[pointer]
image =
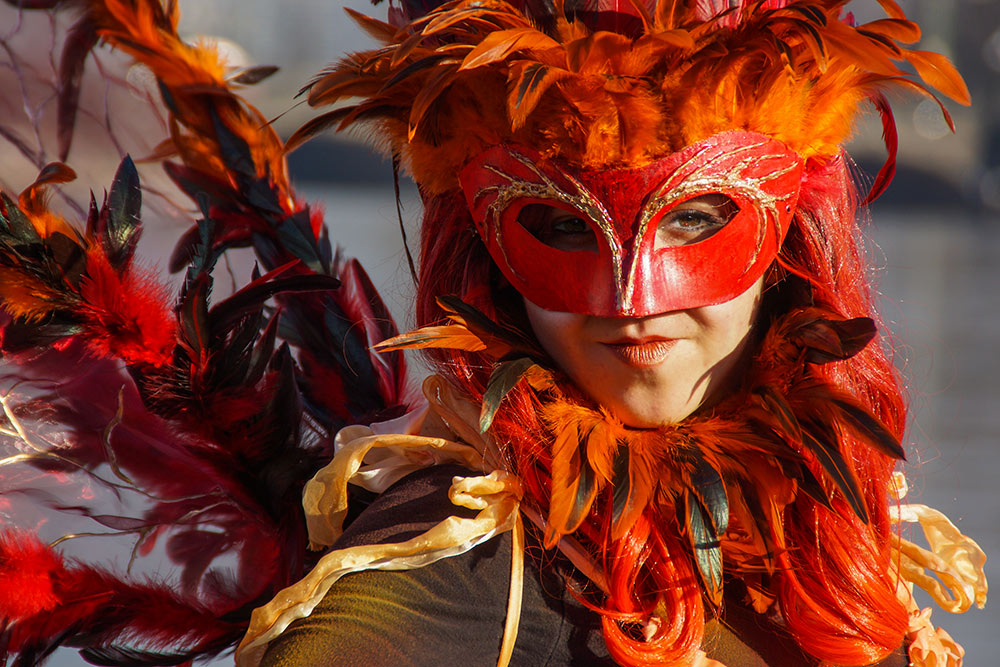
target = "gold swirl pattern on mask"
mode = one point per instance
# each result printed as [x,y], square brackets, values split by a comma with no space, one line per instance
[697,182]
[582,201]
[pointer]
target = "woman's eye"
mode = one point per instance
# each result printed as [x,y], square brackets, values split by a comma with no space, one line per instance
[570,225]
[694,220]
[558,228]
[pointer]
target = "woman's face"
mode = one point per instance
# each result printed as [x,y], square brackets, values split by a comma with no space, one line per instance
[651,370]
[615,266]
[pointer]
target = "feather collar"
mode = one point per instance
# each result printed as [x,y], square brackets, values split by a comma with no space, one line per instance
[724,474]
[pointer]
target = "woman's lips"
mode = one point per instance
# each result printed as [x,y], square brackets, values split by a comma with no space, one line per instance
[642,353]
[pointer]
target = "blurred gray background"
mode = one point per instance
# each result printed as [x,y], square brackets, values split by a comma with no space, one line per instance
[935,238]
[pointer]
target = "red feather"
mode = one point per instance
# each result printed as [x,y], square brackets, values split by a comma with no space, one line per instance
[362,304]
[333,396]
[891,139]
[27,571]
[128,314]
[109,609]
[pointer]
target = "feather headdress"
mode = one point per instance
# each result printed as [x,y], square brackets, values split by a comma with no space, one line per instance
[623,85]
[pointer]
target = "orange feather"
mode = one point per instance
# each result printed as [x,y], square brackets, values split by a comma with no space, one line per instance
[27,297]
[450,336]
[147,31]
[898,30]
[938,72]
[500,45]
[377,30]
[574,486]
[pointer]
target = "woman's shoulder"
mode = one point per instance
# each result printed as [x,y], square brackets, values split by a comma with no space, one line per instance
[452,608]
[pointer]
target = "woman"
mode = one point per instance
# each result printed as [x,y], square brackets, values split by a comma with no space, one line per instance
[646,216]
[658,432]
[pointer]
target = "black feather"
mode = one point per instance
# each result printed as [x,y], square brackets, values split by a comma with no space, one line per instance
[295,235]
[69,257]
[16,223]
[808,483]
[19,336]
[414,67]
[193,315]
[871,430]
[262,351]
[586,485]
[235,151]
[533,75]
[707,517]
[761,520]
[827,450]
[831,340]
[254,75]
[314,126]
[125,656]
[619,499]
[776,406]
[224,314]
[504,377]
[122,229]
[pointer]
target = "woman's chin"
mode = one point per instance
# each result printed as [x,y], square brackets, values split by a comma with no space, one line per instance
[640,412]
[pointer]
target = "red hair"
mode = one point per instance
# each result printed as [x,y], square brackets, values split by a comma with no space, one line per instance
[834,586]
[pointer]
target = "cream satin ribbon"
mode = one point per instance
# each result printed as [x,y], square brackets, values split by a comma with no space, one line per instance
[324,498]
[957,561]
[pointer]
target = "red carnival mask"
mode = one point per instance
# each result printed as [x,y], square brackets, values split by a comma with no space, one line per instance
[626,271]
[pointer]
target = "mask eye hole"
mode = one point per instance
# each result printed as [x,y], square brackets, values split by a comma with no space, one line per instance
[694,220]
[558,228]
